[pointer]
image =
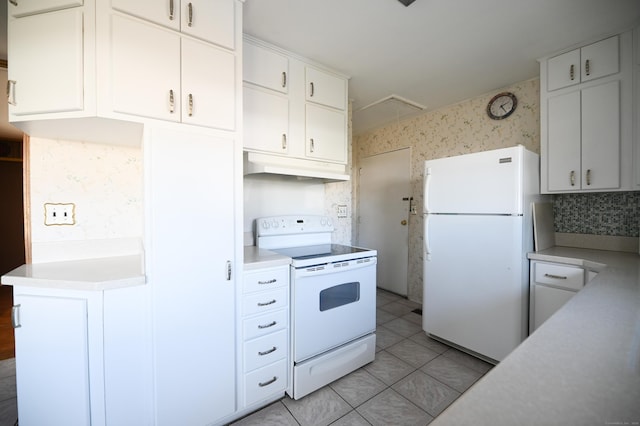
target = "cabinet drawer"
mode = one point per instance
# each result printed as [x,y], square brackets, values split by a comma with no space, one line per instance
[265,350]
[265,301]
[265,382]
[266,279]
[563,276]
[264,324]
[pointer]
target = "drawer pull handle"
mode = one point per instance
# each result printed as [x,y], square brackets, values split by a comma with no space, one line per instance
[267,352]
[572,178]
[271,302]
[15,316]
[271,324]
[268,281]
[312,90]
[268,382]
[557,277]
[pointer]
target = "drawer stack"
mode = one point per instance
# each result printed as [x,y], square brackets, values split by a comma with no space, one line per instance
[265,333]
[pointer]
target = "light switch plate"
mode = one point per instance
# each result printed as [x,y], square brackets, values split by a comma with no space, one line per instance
[59,214]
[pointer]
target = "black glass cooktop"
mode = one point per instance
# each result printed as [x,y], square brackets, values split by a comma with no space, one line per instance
[322,250]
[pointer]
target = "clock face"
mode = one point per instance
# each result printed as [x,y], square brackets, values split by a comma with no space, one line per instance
[502,105]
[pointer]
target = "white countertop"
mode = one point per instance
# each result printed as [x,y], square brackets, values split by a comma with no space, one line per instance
[88,274]
[257,258]
[581,367]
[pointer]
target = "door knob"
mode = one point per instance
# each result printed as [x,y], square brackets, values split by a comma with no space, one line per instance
[403,223]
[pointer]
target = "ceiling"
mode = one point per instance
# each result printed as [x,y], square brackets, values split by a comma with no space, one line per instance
[433,52]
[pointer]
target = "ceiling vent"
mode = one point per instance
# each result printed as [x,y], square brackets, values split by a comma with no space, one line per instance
[386,110]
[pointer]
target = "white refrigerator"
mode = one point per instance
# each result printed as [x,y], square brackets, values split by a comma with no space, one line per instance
[477,232]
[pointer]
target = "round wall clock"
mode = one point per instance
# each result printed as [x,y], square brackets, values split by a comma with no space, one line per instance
[502,105]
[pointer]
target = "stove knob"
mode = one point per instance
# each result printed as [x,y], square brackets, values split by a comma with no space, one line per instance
[323,221]
[275,223]
[328,222]
[265,224]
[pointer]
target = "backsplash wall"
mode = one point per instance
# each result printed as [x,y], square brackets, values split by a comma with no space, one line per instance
[610,213]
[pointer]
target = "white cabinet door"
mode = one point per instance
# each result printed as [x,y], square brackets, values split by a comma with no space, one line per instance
[22,8]
[208,85]
[210,20]
[600,59]
[165,12]
[564,140]
[547,301]
[46,56]
[145,70]
[266,121]
[563,70]
[601,136]
[326,134]
[325,89]
[265,68]
[191,217]
[52,361]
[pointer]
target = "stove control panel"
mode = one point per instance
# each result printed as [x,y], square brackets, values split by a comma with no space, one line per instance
[286,225]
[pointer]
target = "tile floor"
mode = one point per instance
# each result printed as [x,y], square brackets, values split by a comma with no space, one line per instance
[411,381]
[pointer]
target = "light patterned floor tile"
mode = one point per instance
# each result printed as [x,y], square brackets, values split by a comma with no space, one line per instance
[275,414]
[386,337]
[426,392]
[321,407]
[412,353]
[426,341]
[451,373]
[390,409]
[351,419]
[396,308]
[388,368]
[414,318]
[357,387]
[383,316]
[468,360]
[403,327]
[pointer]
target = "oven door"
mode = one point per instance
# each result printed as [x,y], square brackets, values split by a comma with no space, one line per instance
[332,305]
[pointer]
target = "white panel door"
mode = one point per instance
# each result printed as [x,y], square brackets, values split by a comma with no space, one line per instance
[266,121]
[601,136]
[265,68]
[485,182]
[192,216]
[383,215]
[546,301]
[209,20]
[563,70]
[325,89]
[208,85]
[46,56]
[22,8]
[326,134]
[474,291]
[563,142]
[52,343]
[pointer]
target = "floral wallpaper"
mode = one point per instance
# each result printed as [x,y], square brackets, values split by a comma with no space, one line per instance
[453,130]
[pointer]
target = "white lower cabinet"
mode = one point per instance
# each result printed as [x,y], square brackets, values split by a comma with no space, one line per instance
[265,335]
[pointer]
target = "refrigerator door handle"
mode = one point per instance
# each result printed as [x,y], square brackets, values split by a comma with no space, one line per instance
[427,246]
[427,183]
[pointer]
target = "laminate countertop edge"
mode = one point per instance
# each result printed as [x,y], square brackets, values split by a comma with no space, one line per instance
[257,258]
[98,274]
[581,367]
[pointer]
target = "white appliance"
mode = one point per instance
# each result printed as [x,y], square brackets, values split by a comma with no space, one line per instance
[333,299]
[477,232]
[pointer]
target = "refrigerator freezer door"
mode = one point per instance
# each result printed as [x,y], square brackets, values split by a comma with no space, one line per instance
[488,182]
[476,282]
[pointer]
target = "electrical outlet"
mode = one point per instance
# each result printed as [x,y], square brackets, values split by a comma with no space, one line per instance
[59,214]
[342,211]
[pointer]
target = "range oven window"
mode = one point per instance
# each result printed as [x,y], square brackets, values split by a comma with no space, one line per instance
[339,295]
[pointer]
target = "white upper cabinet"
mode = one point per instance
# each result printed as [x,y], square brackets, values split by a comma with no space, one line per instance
[266,120]
[325,89]
[56,46]
[265,68]
[209,20]
[18,8]
[587,63]
[325,130]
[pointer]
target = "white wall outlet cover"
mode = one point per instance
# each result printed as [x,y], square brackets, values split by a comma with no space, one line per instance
[342,211]
[59,214]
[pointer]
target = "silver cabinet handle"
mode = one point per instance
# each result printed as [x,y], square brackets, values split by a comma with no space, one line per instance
[284,141]
[313,145]
[268,351]
[268,382]
[557,277]
[270,302]
[228,270]
[284,79]
[190,105]
[572,178]
[190,7]
[271,281]
[572,72]
[171,15]
[271,324]
[13,2]
[172,102]
[312,89]
[587,67]
[15,316]
[11,92]
[588,176]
